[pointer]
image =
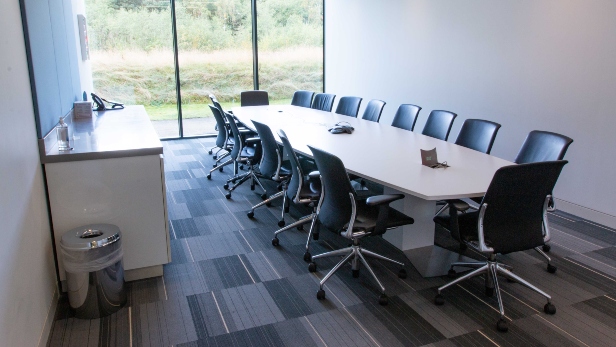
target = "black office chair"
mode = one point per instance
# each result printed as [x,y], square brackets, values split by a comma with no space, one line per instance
[348,106]
[222,139]
[478,134]
[229,144]
[302,98]
[271,166]
[301,189]
[542,146]
[339,210]
[439,124]
[254,98]
[373,110]
[323,102]
[512,218]
[406,117]
[248,152]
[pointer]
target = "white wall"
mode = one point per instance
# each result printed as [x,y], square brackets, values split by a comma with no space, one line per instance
[27,275]
[527,64]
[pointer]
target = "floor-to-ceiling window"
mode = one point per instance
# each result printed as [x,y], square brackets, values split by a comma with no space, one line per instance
[170,55]
[290,37]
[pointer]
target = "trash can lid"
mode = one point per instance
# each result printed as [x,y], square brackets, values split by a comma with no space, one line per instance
[90,236]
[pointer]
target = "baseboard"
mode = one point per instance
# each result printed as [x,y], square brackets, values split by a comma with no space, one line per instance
[44,338]
[586,213]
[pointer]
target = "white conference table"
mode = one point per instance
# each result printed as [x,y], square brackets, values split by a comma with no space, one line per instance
[391,157]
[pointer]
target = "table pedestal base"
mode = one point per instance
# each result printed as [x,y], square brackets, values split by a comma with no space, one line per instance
[417,240]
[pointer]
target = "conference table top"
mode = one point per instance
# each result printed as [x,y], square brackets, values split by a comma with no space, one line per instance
[382,153]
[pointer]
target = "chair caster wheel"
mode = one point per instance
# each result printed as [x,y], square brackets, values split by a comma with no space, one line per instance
[281,223]
[551,268]
[275,242]
[252,187]
[300,227]
[214,157]
[209,176]
[263,196]
[321,294]
[355,273]
[228,196]
[383,300]
[452,273]
[502,325]
[546,248]
[439,300]
[402,273]
[315,236]
[268,204]
[307,257]
[250,214]
[549,308]
[241,167]
[210,152]
[489,292]
[215,166]
[312,267]
[226,186]
[220,169]
[234,180]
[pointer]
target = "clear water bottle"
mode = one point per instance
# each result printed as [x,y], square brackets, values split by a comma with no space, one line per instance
[62,132]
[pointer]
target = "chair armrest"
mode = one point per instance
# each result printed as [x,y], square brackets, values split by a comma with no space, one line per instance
[314,175]
[459,205]
[252,140]
[383,199]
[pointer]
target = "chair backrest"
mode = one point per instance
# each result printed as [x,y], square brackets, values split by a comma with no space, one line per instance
[541,146]
[297,175]
[271,158]
[478,134]
[221,139]
[348,106]
[254,98]
[439,124]
[237,137]
[373,110]
[406,116]
[216,103]
[323,102]
[302,98]
[336,207]
[516,203]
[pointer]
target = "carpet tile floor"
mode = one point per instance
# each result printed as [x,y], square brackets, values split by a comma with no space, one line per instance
[228,286]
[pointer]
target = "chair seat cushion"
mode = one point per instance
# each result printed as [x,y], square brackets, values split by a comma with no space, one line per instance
[367,216]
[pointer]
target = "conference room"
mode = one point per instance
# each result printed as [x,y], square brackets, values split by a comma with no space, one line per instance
[447,182]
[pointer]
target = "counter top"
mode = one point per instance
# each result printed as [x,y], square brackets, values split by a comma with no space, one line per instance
[108,134]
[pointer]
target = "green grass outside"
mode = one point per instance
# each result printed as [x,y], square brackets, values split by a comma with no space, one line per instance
[194,110]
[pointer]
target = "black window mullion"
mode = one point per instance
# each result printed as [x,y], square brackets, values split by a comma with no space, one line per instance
[177,68]
[255,46]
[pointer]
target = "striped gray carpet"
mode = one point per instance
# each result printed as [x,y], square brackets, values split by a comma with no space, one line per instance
[228,286]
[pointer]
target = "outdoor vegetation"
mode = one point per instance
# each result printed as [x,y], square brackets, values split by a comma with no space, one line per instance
[132,57]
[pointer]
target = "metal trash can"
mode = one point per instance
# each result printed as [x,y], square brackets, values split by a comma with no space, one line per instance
[92,257]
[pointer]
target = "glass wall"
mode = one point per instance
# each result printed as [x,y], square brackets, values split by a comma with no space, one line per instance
[214,56]
[131,50]
[290,37]
[132,54]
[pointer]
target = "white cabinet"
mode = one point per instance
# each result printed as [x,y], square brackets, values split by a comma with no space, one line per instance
[128,192]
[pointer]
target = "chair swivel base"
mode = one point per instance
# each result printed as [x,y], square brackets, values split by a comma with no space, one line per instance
[355,254]
[492,269]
